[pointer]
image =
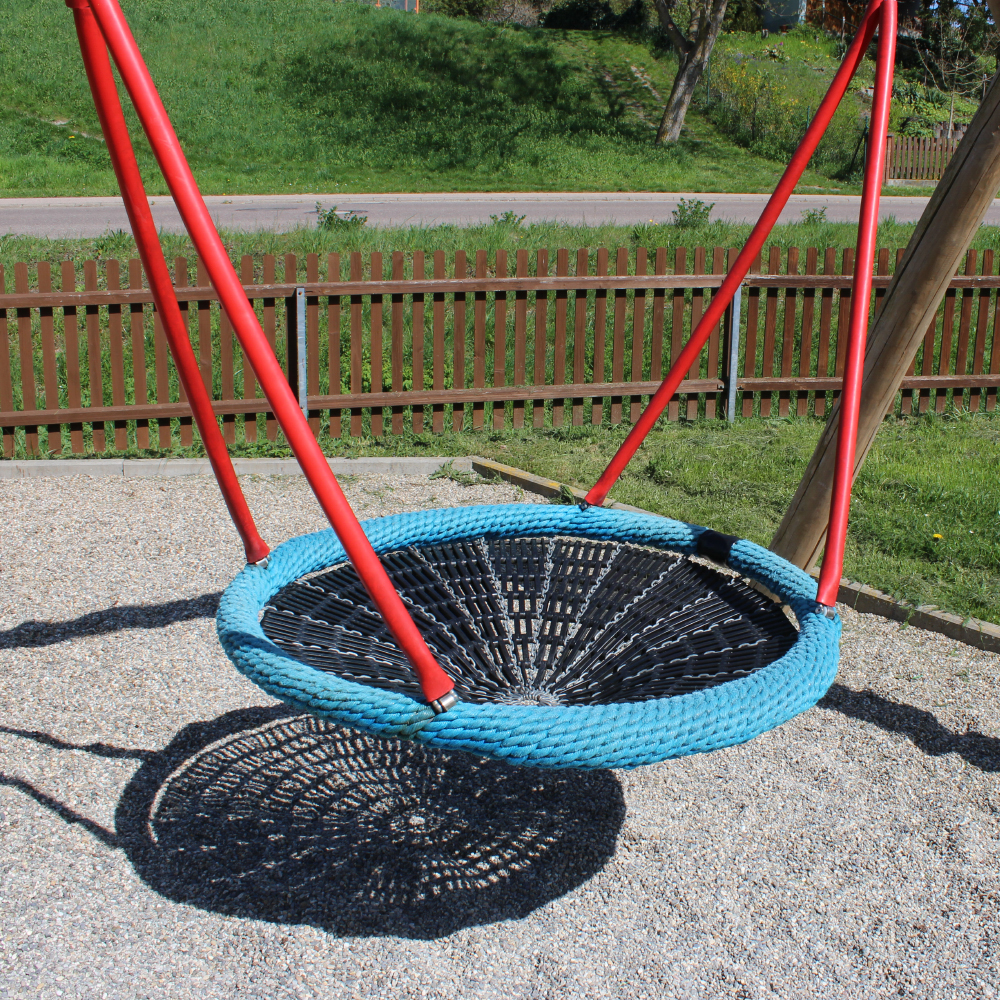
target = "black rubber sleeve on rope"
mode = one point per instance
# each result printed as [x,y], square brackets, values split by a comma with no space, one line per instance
[715,546]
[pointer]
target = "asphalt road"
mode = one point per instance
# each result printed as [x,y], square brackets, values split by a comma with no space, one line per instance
[88,217]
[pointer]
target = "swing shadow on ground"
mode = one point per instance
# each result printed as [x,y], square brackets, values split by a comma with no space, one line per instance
[265,815]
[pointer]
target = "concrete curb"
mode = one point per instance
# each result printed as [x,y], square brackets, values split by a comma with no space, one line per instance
[867,600]
[148,468]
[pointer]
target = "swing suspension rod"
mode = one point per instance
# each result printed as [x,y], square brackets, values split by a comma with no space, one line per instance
[880,14]
[116,36]
[115,131]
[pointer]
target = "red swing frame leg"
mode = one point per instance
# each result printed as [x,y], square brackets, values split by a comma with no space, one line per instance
[850,397]
[720,302]
[112,119]
[435,683]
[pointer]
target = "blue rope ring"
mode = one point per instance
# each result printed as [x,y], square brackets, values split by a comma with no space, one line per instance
[584,736]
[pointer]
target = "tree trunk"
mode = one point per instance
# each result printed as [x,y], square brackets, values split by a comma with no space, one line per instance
[943,234]
[688,77]
[693,51]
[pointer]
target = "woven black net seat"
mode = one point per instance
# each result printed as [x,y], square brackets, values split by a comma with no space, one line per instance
[543,621]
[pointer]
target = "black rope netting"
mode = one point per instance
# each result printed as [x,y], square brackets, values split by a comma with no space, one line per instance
[550,621]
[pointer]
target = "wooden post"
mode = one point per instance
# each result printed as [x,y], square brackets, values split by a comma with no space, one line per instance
[942,236]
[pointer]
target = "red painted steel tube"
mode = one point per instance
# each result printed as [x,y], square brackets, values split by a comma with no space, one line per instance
[854,360]
[109,111]
[433,680]
[765,224]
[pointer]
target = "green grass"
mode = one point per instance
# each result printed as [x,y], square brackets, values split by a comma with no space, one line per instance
[271,97]
[491,237]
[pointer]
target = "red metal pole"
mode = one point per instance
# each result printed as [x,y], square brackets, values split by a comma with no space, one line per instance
[765,224]
[109,111]
[854,362]
[433,680]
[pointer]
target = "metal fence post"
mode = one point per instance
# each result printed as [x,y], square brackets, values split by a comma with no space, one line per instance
[734,354]
[300,340]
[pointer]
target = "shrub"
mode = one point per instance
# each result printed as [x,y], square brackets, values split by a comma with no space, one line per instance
[692,213]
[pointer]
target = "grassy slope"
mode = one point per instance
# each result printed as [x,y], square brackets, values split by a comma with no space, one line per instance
[433,104]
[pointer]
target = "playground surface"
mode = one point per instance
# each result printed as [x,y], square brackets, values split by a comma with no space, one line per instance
[166,830]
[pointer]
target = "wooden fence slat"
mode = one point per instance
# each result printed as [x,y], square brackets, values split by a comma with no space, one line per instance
[71,337]
[204,307]
[843,316]
[944,354]
[357,351]
[95,370]
[805,339]
[541,344]
[50,370]
[137,331]
[964,327]
[437,348]
[559,344]
[6,381]
[479,341]
[906,395]
[500,340]
[618,335]
[377,360]
[334,372]
[418,340]
[458,342]
[991,393]
[227,378]
[678,308]
[825,318]
[697,308]
[750,336]
[638,333]
[270,331]
[580,333]
[26,356]
[659,312]
[520,336]
[712,370]
[982,321]
[770,328]
[116,352]
[249,376]
[788,330]
[396,335]
[727,328]
[600,336]
[312,341]
[181,281]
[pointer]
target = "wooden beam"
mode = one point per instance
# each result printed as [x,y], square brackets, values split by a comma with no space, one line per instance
[943,234]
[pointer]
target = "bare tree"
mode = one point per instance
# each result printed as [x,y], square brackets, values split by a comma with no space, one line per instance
[694,45]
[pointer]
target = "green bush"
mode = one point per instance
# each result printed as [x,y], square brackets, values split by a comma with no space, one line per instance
[752,110]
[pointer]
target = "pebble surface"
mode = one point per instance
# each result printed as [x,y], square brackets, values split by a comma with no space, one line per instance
[167,831]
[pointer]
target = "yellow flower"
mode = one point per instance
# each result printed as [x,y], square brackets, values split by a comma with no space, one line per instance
[937,536]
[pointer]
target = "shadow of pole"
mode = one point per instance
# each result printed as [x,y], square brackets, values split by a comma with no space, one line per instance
[922,727]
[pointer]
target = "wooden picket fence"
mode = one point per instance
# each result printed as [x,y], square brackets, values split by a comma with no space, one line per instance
[424,346]
[917,159]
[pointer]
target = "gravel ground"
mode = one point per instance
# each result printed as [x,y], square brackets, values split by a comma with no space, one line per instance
[167,831]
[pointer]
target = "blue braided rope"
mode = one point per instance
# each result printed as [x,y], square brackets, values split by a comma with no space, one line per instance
[591,736]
